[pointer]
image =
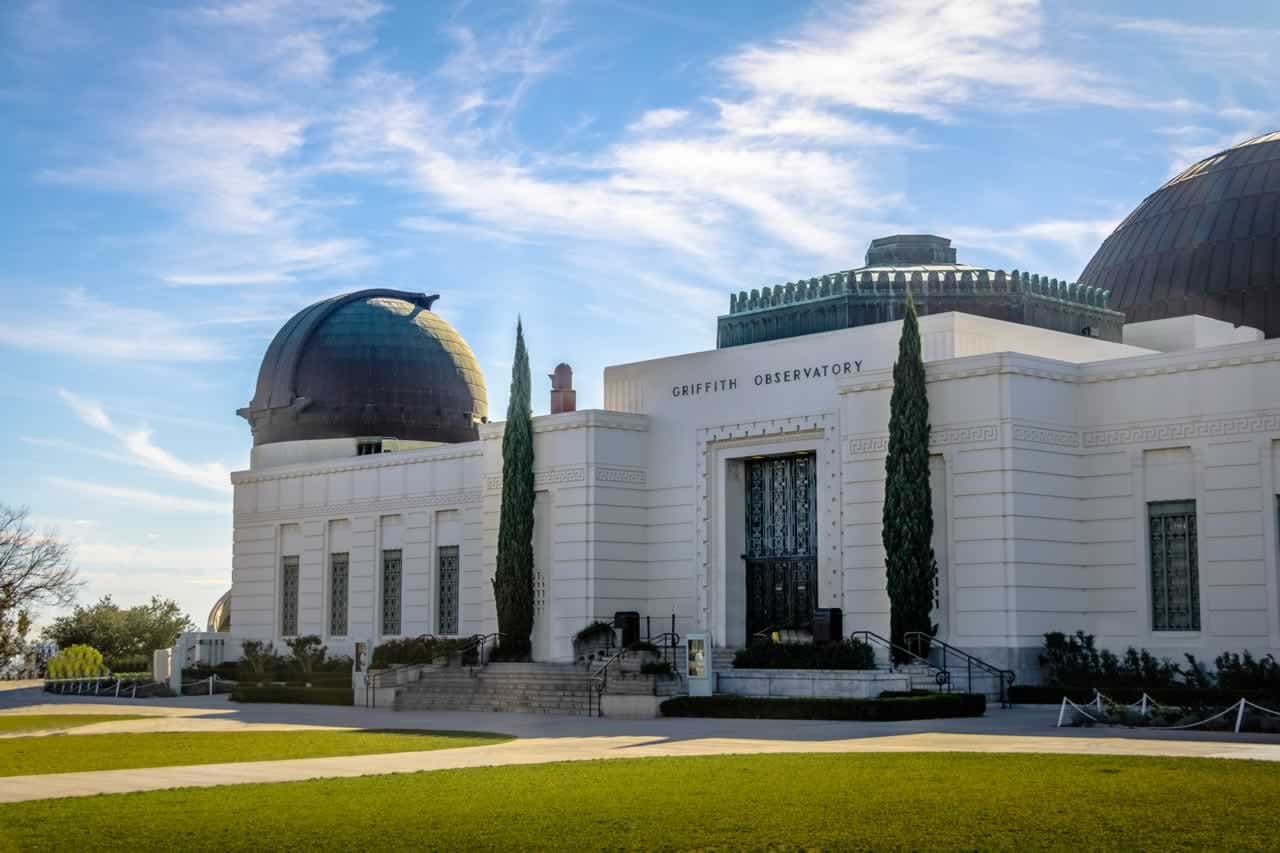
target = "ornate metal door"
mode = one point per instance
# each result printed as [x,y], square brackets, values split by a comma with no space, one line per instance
[782,542]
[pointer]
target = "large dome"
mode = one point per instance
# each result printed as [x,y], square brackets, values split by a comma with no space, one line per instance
[370,363]
[1207,242]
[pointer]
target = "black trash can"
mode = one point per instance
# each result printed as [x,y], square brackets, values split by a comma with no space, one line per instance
[828,625]
[628,621]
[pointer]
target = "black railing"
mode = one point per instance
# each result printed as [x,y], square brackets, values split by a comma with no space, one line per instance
[666,642]
[391,676]
[919,641]
[940,675]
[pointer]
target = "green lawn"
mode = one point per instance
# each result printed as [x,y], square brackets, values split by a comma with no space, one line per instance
[920,801]
[11,723]
[30,755]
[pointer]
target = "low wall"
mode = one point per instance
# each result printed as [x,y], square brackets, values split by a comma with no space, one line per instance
[810,683]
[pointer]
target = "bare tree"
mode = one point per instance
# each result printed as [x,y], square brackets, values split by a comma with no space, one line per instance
[35,570]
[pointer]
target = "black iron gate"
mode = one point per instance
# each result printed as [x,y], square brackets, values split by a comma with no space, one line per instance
[782,542]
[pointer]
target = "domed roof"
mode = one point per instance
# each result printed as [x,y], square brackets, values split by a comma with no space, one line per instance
[1207,242]
[370,363]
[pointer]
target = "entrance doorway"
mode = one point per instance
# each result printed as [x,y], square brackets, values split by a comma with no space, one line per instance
[782,541]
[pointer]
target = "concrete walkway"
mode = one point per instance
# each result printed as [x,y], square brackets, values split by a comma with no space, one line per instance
[546,738]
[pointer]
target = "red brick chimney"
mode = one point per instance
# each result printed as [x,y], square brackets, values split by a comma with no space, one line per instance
[563,397]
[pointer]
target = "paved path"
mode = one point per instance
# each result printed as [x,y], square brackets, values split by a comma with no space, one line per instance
[547,738]
[544,750]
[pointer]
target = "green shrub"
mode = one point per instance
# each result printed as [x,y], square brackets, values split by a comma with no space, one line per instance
[1244,672]
[644,646]
[594,632]
[259,657]
[296,679]
[1074,659]
[128,663]
[655,667]
[1046,694]
[932,706]
[410,650]
[295,695]
[79,661]
[308,652]
[847,654]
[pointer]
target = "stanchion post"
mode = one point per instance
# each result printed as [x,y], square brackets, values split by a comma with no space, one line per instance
[1062,712]
[1240,716]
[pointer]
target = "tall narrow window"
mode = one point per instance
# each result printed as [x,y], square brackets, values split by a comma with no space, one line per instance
[447,607]
[391,575]
[1175,573]
[288,596]
[338,570]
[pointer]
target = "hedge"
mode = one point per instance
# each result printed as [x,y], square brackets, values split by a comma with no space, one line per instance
[893,709]
[848,654]
[1042,694]
[295,695]
[294,679]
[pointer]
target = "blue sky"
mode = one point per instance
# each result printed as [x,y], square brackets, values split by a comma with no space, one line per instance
[177,179]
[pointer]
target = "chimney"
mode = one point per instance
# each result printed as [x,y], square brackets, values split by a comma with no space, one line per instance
[563,397]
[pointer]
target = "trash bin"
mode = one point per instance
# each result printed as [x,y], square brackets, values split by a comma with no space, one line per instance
[628,621]
[828,625]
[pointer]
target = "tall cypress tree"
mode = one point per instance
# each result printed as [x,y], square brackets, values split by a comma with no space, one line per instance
[513,579]
[908,508]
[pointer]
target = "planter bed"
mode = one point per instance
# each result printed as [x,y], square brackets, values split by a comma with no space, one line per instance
[295,695]
[1040,694]
[893,709]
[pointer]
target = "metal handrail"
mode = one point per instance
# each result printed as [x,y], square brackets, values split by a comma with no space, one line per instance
[598,682]
[1006,677]
[941,675]
[480,641]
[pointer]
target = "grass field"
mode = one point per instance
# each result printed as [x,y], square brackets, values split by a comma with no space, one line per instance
[920,801]
[31,755]
[14,723]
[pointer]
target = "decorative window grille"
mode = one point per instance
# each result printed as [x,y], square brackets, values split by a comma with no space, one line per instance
[447,589]
[1175,573]
[391,575]
[339,565]
[288,596]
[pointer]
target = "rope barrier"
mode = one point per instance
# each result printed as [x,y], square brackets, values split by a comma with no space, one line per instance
[1146,702]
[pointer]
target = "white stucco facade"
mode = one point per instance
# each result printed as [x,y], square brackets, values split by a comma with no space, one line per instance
[1047,449]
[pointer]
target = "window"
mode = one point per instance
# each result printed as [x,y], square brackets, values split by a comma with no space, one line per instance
[391,592]
[366,448]
[447,589]
[1175,574]
[288,596]
[338,570]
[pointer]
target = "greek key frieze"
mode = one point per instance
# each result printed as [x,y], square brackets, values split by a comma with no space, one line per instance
[1185,430]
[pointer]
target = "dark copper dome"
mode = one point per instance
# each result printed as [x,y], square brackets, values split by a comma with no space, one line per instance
[370,363]
[1207,242]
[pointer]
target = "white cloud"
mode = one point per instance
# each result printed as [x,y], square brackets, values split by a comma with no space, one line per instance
[140,451]
[88,327]
[140,497]
[201,280]
[919,57]
[1077,239]
[658,120]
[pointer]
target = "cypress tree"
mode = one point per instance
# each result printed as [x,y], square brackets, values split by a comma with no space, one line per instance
[908,509]
[513,579]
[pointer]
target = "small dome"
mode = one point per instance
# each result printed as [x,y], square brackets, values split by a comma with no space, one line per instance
[370,363]
[1207,242]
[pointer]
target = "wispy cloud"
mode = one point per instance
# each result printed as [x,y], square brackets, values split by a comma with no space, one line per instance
[83,325]
[658,120]
[155,501]
[141,451]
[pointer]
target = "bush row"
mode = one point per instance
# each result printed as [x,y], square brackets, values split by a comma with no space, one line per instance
[848,654]
[423,649]
[295,679]
[1073,659]
[897,708]
[295,695]
[1043,694]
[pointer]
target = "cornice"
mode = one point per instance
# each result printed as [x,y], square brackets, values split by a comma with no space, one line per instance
[864,445]
[360,463]
[586,419]
[458,498]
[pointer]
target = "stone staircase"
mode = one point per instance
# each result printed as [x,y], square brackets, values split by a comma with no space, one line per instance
[924,678]
[538,688]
